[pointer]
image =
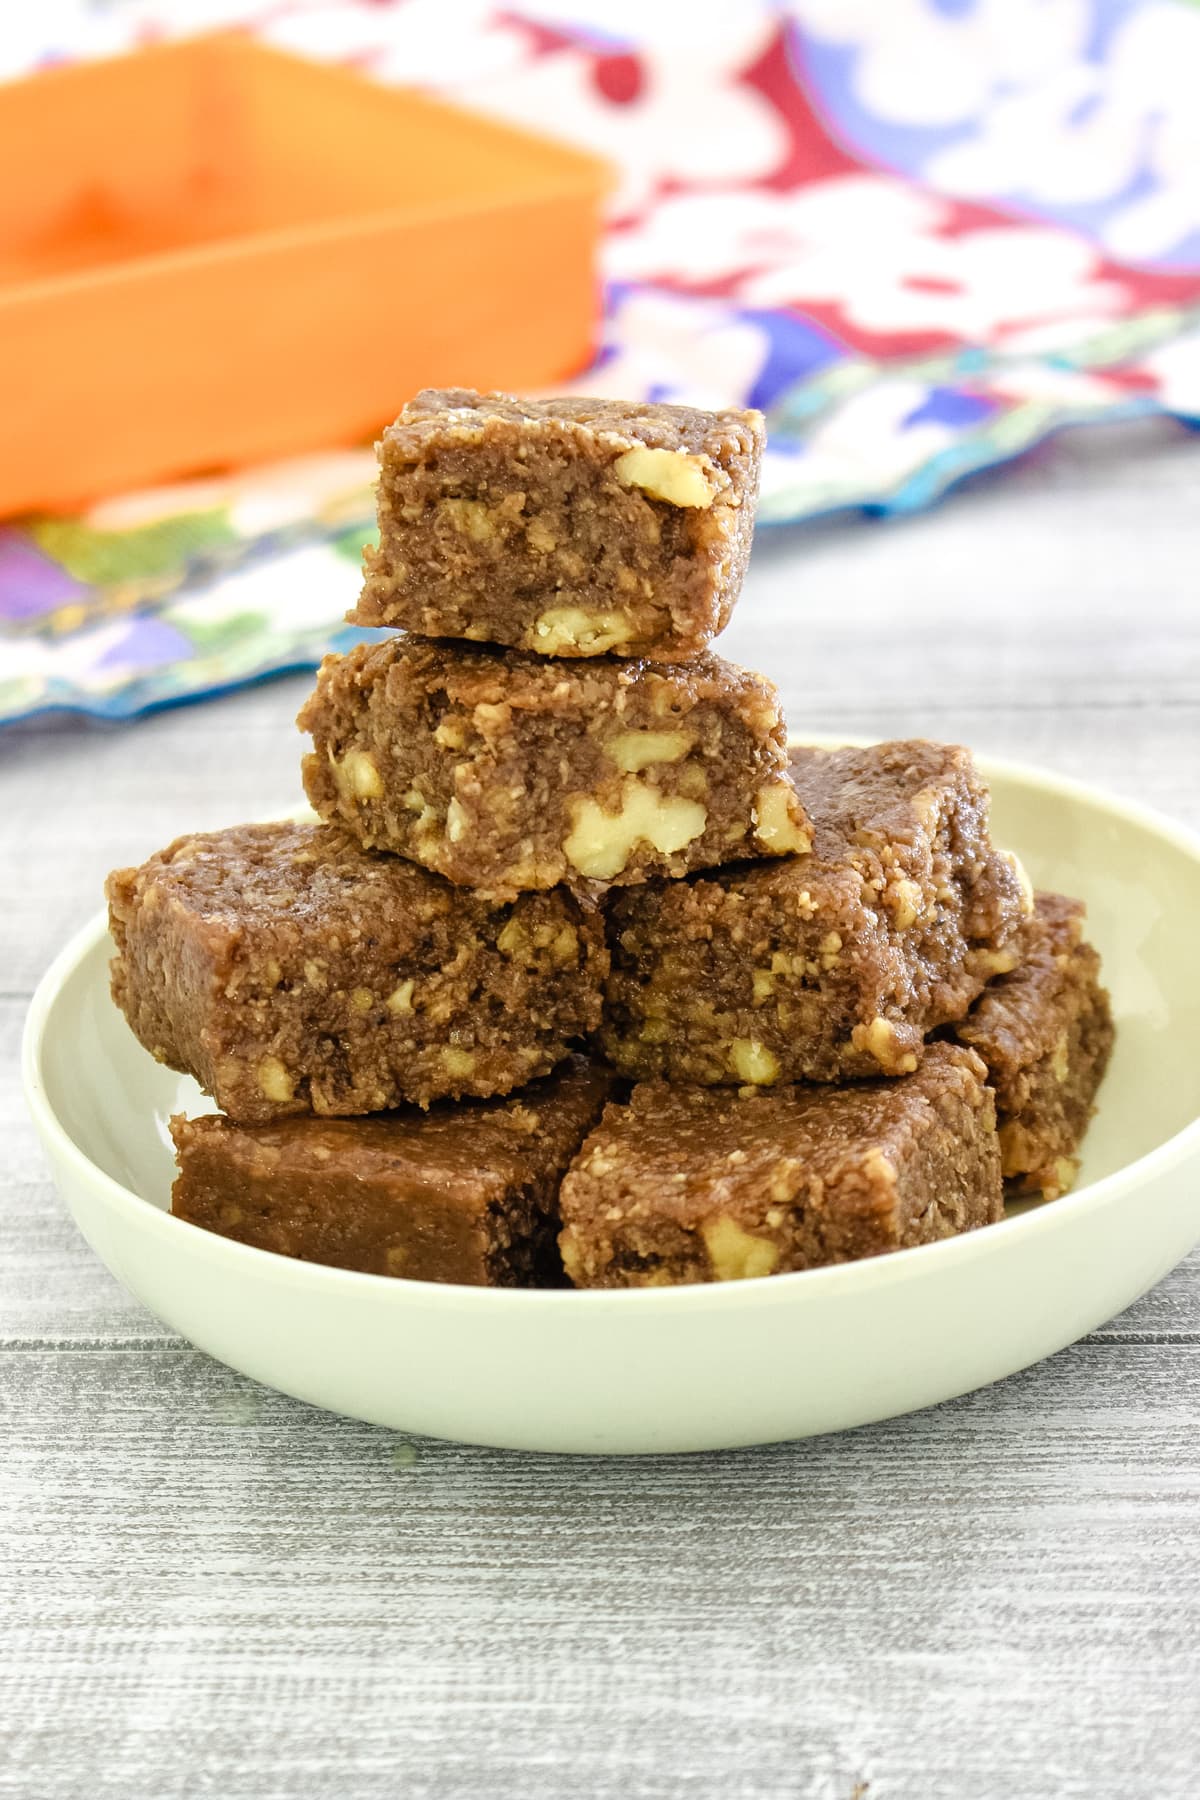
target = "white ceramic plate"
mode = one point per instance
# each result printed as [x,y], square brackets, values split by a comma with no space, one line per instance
[697,1368]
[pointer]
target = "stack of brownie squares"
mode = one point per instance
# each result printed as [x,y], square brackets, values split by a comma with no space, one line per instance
[583,976]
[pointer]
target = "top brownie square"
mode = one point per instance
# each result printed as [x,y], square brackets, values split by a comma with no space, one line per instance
[569,527]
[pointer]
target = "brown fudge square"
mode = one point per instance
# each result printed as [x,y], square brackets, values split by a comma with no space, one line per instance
[507,772]
[1045,1031]
[569,527]
[830,965]
[699,1184]
[465,1192]
[289,971]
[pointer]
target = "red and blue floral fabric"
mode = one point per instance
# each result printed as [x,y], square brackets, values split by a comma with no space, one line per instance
[920,234]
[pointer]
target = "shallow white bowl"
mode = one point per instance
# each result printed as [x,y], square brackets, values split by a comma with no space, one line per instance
[697,1368]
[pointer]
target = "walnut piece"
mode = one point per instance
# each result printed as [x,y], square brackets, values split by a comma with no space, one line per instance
[600,843]
[400,1000]
[470,516]
[567,628]
[275,1080]
[752,1062]
[735,1254]
[357,776]
[636,750]
[670,475]
[777,815]
[906,901]
[878,1039]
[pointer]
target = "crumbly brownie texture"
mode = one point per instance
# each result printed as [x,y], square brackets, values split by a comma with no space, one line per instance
[1045,1032]
[569,527]
[465,1193]
[290,972]
[698,1184]
[505,772]
[831,965]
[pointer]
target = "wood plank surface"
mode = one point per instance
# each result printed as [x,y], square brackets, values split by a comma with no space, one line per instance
[209,1589]
[223,1593]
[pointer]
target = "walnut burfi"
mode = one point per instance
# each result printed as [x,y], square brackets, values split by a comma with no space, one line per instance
[830,965]
[289,972]
[465,1193]
[506,772]
[1045,1032]
[569,527]
[700,1184]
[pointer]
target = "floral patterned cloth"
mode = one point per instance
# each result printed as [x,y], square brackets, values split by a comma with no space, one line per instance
[920,234]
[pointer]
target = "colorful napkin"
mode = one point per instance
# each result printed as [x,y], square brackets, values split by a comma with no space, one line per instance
[921,235]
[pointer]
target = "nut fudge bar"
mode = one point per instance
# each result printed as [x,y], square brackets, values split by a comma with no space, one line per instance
[1045,1032]
[699,1184]
[570,527]
[831,965]
[465,1193]
[289,971]
[505,772]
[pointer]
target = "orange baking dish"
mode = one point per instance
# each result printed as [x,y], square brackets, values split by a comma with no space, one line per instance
[212,253]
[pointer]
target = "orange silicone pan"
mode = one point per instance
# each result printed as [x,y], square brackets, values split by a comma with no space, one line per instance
[213,253]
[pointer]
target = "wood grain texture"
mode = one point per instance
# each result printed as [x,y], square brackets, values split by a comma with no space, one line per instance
[219,1592]
[210,1590]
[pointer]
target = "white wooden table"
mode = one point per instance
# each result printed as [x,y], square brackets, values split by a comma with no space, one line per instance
[207,1589]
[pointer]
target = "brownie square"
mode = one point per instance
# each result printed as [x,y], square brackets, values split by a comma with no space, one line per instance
[1045,1031]
[507,772]
[569,527]
[289,971]
[690,1184]
[465,1192]
[830,965]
